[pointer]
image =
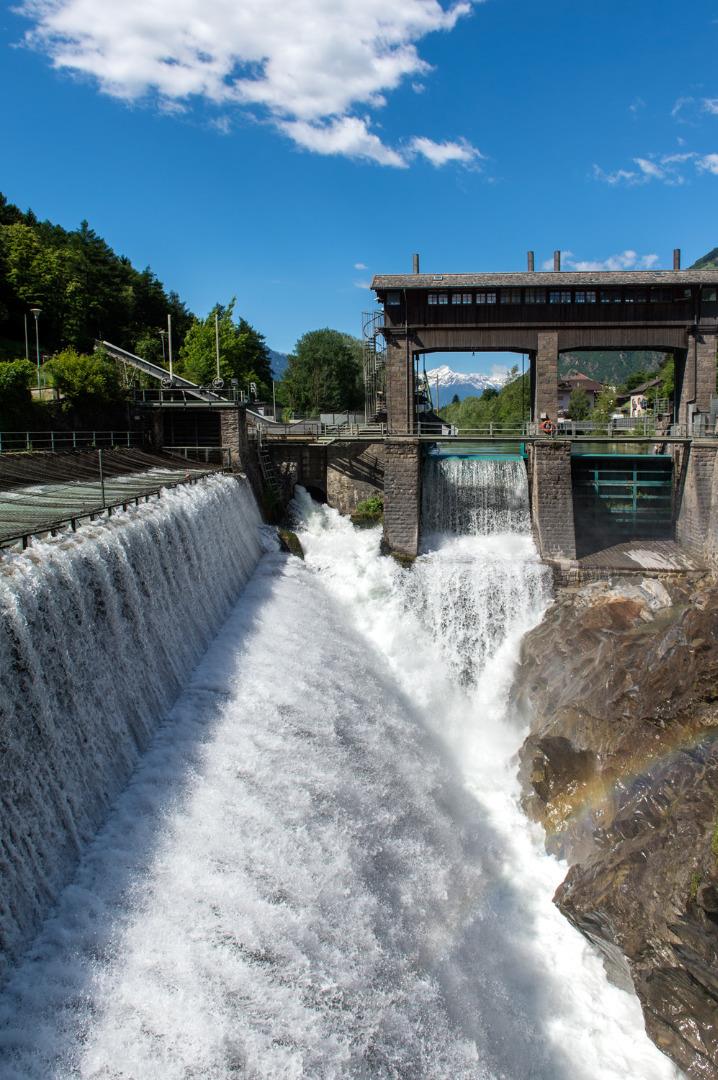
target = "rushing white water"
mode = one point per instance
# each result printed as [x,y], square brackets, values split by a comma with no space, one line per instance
[98,633]
[320,868]
[474,495]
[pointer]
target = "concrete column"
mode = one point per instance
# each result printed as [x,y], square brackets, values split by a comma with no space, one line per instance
[552,499]
[399,387]
[546,375]
[699,375]
[697,519]
[402,496]
[233,434]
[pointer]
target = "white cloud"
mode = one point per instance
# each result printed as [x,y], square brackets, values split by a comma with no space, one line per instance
[305,64]
[708,163]
[710,105]
[362,284]
[636,106]
[441,153]
[624,260]
[668,169]
[347,135]
[360,266]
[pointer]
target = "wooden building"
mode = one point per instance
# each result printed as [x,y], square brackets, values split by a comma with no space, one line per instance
[542,314]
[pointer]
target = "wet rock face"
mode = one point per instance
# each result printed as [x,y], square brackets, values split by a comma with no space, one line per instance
[621,768]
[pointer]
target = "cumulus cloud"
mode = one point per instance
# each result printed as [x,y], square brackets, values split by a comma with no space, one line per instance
[624,260]
[710,105]
[360,266]
[441,153]
[305,64]
[708,163]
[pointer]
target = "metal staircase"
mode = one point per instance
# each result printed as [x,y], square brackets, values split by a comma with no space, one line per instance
[374,363]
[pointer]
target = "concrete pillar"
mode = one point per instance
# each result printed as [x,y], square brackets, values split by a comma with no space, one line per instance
[546,376]
[698,384]
[399,388]
[233,435]
[402,496]
[697,518]
[552,499]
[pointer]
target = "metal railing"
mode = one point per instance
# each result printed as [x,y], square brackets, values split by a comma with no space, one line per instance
[215,455]
[178,395]
[68,440]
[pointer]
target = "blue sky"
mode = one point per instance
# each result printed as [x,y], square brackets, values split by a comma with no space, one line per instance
[285,154]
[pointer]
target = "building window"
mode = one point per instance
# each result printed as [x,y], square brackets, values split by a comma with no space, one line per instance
[710,295]
[511,296]
[660,295]
[486,298]
[443,298]
[683,296]
[559,297]
[393,298]
[610,296]
[585,296]
[432,298]
[467,298]
[535,296]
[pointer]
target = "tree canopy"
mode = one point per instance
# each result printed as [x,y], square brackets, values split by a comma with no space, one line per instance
[243,352]
[324,373]
[84,289]
[507,407]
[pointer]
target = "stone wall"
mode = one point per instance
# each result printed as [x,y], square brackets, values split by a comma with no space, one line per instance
[699,374]
[552,499]
[546,375]
[297,463]
[402,495]
[355,471]
[399,387]
[697,520]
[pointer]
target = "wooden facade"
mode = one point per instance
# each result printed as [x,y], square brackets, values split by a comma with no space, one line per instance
[544,314]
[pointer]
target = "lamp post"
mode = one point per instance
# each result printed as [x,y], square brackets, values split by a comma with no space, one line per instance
[163,335]
[36,311]
[169,342]
[216,341]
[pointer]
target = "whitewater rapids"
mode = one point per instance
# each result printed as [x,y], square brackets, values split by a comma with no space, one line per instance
[319,868]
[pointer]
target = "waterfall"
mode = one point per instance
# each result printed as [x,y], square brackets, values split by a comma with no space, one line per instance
[320,868]
[98,634]
[474,495]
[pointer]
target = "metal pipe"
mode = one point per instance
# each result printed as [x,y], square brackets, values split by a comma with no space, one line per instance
[530,262]
[415,263]
[676,258]
[557,261]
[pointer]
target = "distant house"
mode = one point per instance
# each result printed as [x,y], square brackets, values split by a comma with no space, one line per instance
[576,380]
[636,402]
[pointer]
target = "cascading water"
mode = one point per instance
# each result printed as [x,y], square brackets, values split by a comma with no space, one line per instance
[475,495]
[320,868]
[98,633]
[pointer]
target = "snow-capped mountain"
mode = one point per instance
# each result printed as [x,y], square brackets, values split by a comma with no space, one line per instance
[463,383]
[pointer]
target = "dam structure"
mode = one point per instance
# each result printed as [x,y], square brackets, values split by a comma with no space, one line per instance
[260,814]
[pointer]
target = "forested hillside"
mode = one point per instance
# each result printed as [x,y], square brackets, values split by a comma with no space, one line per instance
[85,290]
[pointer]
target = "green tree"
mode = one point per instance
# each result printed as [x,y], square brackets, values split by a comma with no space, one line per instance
[605,406]
[324,373]
[87,383]
[507,407]
[243,351]
[579,405]
[15,397]
[455,399]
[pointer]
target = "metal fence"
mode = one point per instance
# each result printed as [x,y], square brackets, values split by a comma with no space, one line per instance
[210,455]
[69,440]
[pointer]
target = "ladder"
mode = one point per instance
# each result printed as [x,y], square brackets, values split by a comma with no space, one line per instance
[267,467]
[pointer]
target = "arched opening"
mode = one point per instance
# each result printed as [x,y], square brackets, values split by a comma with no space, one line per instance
[473,390]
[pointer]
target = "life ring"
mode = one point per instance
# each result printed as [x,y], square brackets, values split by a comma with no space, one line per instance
[548,428]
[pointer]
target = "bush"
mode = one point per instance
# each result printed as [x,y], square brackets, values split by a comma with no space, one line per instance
[86,382]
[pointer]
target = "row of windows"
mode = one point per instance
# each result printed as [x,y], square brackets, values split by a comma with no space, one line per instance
[655,294]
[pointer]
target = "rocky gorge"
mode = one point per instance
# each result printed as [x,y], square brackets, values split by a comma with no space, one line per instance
[620,682]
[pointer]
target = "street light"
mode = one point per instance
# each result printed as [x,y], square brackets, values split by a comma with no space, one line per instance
[216,339]
[36,311]
[163,335]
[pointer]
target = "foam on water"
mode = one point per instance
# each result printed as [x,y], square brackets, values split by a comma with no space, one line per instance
[320,868]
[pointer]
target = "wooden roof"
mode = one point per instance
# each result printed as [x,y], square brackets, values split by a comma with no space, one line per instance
[545,278]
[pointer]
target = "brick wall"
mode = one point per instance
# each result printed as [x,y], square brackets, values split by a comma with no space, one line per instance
[552,499]
[355,471]
[697,521]
[402,495]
